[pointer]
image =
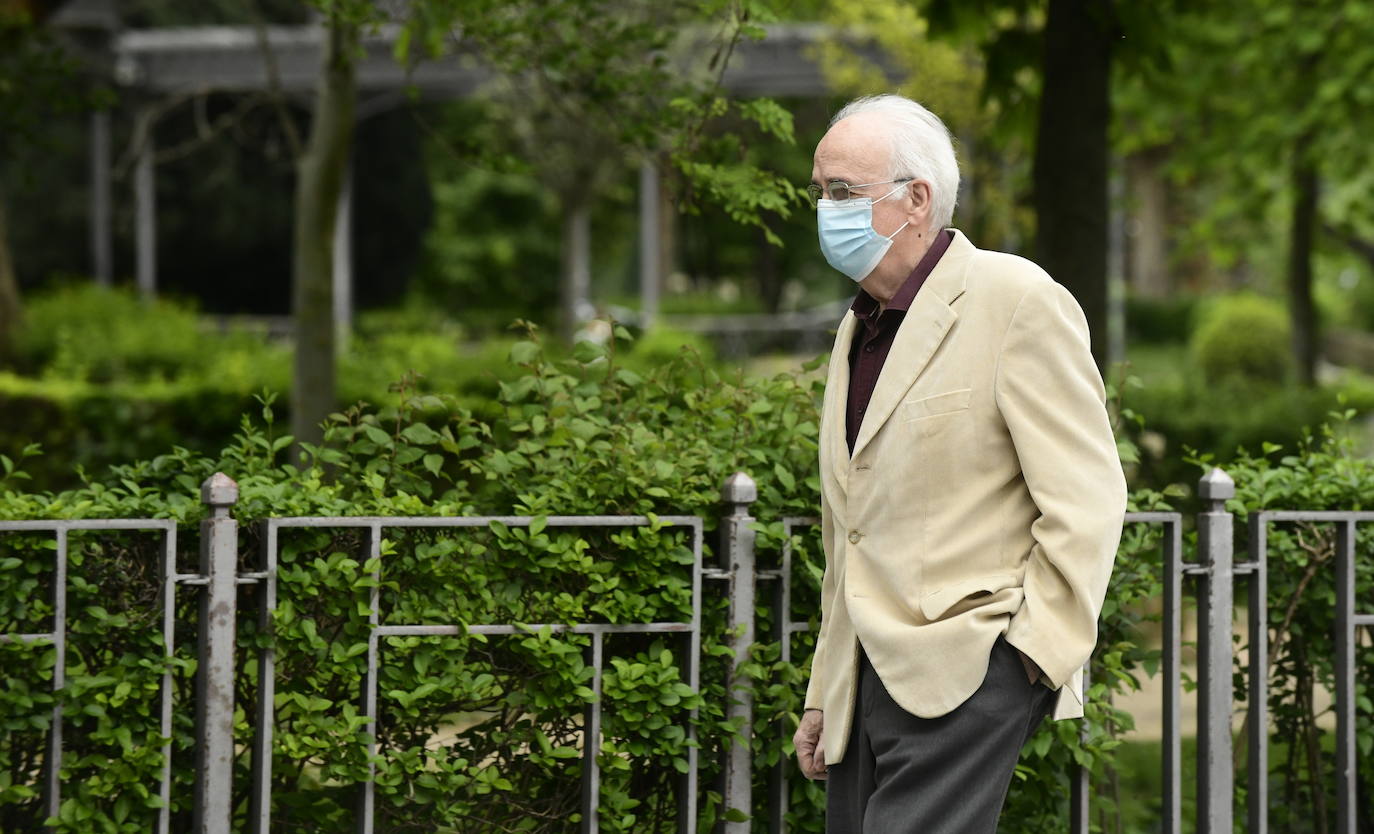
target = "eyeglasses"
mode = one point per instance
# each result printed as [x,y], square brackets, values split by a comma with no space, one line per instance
[839,190]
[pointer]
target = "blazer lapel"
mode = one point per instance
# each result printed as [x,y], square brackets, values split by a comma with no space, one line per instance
[836,396]
[921,332]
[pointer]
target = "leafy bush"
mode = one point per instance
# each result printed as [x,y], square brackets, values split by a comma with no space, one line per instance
[475,732]
[1243,337]
[586,436]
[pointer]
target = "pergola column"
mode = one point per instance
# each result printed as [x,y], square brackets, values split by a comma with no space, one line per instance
[101,259]
[145,208]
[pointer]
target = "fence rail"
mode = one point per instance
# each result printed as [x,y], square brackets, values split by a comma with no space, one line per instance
[219,576]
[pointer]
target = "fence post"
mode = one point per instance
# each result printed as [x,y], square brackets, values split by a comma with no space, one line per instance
[1214,796]
[215,670]
[737,558]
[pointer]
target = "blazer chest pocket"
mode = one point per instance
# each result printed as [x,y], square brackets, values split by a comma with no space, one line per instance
[936,404]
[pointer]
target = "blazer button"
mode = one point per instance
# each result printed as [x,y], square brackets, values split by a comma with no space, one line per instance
[854,536]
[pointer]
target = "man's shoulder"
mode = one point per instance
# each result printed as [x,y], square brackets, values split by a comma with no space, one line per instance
[1000,279]
[1005,271]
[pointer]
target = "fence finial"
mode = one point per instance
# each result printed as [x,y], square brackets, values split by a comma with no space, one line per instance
[739,488]
[219,492]
[1216,486]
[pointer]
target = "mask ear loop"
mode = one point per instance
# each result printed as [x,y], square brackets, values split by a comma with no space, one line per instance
[893,191]
[884,197]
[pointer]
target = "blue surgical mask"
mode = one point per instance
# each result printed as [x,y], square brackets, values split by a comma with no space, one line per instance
[848,239]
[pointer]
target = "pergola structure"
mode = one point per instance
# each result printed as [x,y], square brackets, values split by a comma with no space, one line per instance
[243,59]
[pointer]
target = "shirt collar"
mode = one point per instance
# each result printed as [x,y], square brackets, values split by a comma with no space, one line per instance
[865,306]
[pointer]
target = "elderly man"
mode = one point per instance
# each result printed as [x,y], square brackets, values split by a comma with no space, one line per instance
[971,494]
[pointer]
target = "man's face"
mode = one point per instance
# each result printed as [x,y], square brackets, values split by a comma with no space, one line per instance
[856,151]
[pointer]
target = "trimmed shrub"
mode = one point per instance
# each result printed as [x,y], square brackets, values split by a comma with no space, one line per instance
[1243,337]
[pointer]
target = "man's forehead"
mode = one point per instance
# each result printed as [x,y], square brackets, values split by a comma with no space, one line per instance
[853,147]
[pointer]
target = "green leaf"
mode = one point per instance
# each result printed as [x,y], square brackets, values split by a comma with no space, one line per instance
[586,352]
[785,478]
[523,353]
[420,434]
[377,436]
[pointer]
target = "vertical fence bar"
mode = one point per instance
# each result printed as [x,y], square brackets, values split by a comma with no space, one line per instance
[1257,742]
[687,785]
[215,673]
[1173,640]
[782,632]
[737,555]
[169,621]
[59,673]
[260,792]
[1079,787]
[367,799]
[591,745]
[1214,764]
[1345,677]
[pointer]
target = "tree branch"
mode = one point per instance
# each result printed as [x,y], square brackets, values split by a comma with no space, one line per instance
[1363,247]
[288,124]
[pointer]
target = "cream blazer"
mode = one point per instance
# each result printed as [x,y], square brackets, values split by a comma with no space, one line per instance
[984,495]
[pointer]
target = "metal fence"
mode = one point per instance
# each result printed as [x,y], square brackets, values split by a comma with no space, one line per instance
[220,575]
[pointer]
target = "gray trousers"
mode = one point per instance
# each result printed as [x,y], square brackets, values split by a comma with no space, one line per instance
[947,775]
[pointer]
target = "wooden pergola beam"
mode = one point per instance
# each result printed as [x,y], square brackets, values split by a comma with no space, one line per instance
[229,58]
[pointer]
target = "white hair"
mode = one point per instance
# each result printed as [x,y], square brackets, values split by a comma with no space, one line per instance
[921,148]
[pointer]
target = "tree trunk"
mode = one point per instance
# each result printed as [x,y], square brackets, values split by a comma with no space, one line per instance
[11,307]
[319,176]
[1300,240]
[767,271]
[1070,169]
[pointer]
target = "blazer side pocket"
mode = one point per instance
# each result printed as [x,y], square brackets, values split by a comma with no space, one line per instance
[937,603]
[936,404]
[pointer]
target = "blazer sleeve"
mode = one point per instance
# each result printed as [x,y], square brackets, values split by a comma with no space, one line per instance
[1053,402]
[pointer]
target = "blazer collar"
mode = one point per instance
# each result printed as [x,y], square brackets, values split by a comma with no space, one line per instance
[922,330]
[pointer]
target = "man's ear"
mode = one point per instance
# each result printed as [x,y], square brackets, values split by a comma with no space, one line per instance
[918,191]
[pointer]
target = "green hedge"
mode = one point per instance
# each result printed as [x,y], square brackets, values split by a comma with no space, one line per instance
[480,734]
[105,377]
[1179,410]
[1164,320]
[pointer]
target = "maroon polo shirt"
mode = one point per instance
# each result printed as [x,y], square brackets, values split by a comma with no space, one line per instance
[875,333]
